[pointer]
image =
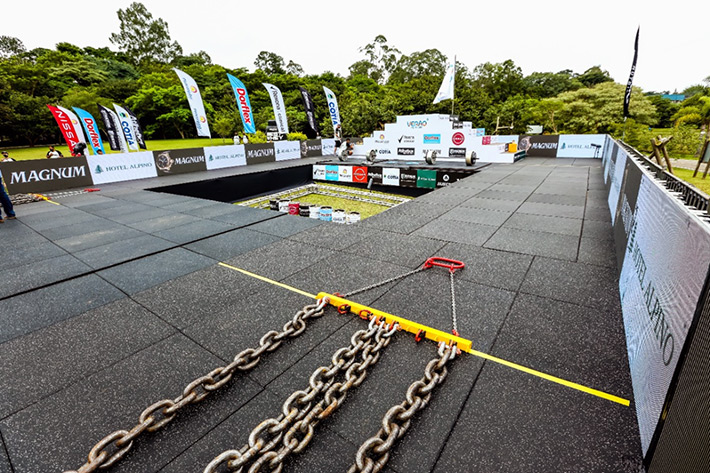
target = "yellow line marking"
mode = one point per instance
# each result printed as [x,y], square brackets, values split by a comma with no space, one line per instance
[465,347]
[270,281]
[549,377]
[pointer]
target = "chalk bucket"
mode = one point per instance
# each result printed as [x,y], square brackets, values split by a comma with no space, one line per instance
[305,210]
[294,208]
[338,216]
[314,211]
[353,217]
[274,204]
[326,214]
[283,205]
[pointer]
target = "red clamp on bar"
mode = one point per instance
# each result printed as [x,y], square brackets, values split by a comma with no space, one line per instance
[455,333]
[419,336]
[92,189]
[451,264]
[365,314]
[344,309]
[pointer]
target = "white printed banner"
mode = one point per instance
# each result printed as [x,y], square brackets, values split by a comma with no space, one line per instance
[333,109]
[277,102]
[219,157]
[286,150]
[126,124]
[121,167]
[194,99]
[390,176]
[580,146]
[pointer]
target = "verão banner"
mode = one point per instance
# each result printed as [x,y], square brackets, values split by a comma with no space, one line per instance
[245,111]
[92,130]
[194,99]
[277,102]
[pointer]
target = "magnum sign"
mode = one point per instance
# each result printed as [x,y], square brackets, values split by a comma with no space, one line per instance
[260,153]
[40,175]
[543,146]
[178,161]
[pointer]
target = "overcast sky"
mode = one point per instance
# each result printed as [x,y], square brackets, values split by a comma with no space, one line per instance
[541,36]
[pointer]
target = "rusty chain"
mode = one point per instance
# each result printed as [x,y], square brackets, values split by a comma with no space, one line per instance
[294,428]
[373,454]
[114,446]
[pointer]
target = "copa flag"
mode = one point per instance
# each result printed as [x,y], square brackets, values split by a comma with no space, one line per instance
[92,130]
[332,107]
[240,93]
[277,102]
[126,124]
[68,124]
[137,127]
[446,90]
[194,99]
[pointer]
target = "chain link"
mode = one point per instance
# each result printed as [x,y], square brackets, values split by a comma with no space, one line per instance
[374,453]
[115,445]
[453,305]
[386,281]
[304,409]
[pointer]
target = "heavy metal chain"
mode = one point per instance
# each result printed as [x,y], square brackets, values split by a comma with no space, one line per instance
[373,454]
[115,445]
[455,330]
[273,440]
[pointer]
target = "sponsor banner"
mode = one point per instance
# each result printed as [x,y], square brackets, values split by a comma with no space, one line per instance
[194,100]
[332,172]
[580,146]
[543,146]
[446,90]
[666,262]
[426,178]
[457,152]
[277,102]
[318,172]
[116,140]
[240,93]
[446,178]
[311,121]
[458,138]
[178,161]
[390,176]
[432,139]
[405,151]
[381,139]
[374,174]
[328,146]
[618,162]
[495,148]
[260,153]
[360,174]
[345,174]
[67,127]
[219,157]
[121,167]
[408,178]
[286,150]
[626,209]
[92,130]
[479,132]
[126,125]
[40,175]
[311,148]
[137,127]
[406,140]
[627,93]
[333,109]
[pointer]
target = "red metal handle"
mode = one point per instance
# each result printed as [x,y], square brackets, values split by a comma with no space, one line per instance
[451,264]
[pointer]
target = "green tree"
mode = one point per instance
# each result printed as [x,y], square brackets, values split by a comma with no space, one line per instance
[431,62]
[665,110]
[10,46]
[551,84]
[142,38]
[593,76]
[382,58]
[270,63]
[694,111]
[500,80]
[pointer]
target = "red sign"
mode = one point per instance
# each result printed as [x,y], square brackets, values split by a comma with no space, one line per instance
[66,125]
[486,140]
[359,174]
[458,138]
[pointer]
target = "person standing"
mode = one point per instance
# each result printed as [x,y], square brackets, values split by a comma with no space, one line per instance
[338,135]
[236,138]
[6,157]
[245,139]
[6,204]
[53,153]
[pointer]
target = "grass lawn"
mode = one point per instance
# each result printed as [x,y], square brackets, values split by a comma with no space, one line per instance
[40,152]
[699,182]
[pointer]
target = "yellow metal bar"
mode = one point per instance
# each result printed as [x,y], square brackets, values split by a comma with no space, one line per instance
[549,377]
[408,325]
[270,281]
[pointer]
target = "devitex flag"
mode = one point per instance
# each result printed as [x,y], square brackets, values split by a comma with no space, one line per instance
[240,93]
[446,90]
[116,140]
[70,131]
[92,130]
[126,124]
[312,129]
[627,95]
[277,101]
[194,99]
[332,107]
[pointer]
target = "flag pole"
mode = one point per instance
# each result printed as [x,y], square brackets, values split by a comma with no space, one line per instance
[452,88]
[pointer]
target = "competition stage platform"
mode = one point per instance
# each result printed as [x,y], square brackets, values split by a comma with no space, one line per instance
[115,300]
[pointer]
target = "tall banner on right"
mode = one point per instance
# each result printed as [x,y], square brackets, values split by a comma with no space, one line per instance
[194,99]
[312,129]
[627,95]
[332,107]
